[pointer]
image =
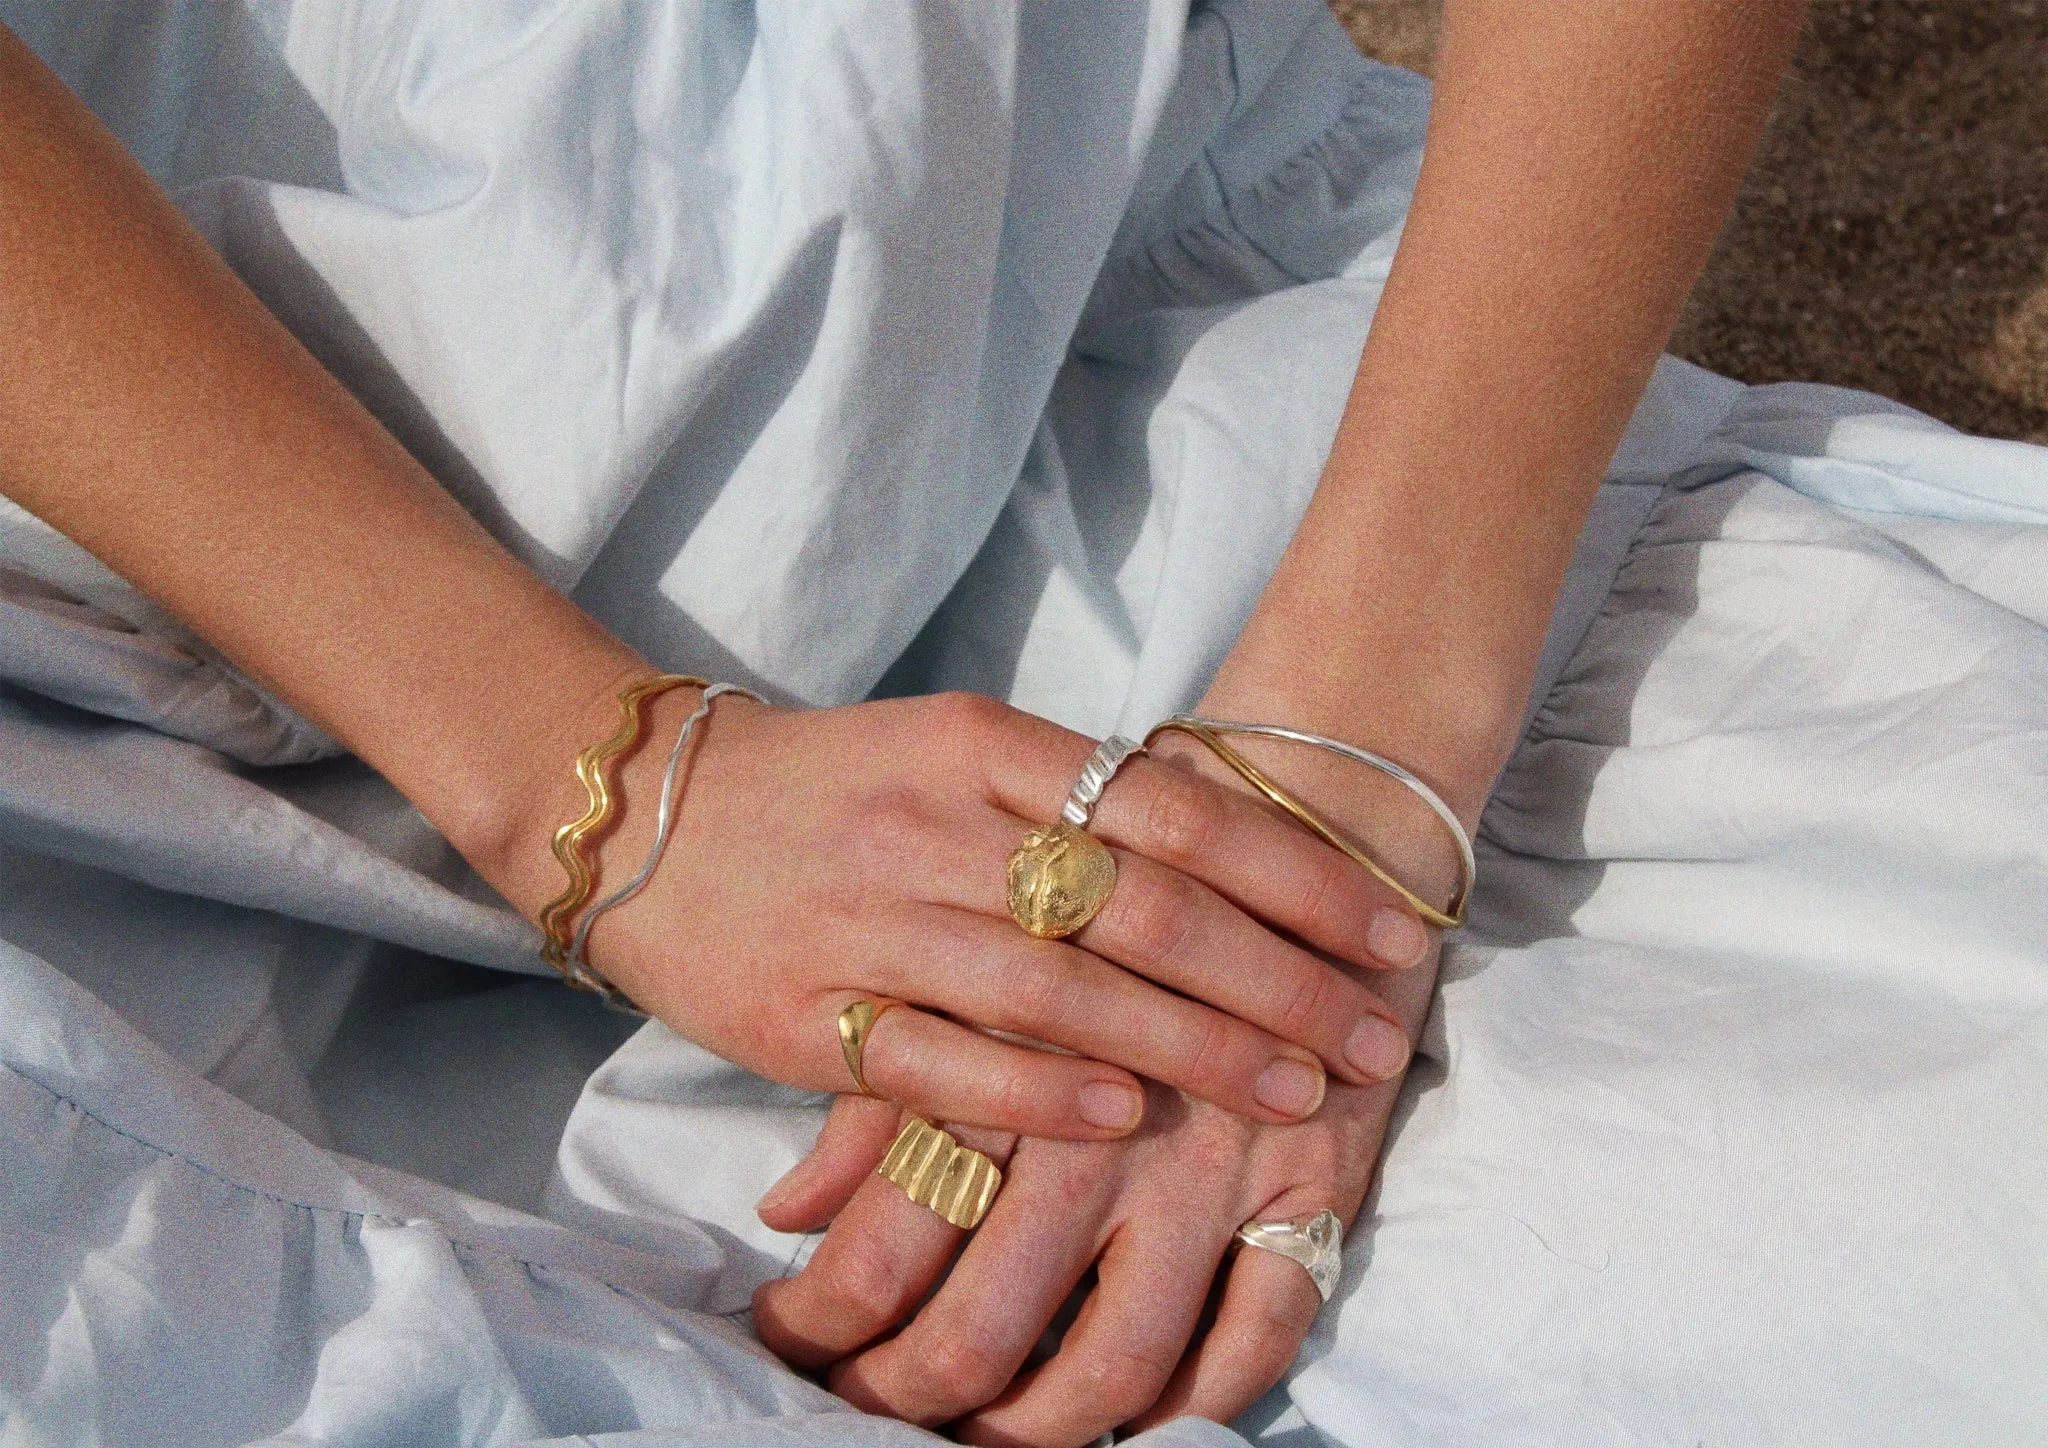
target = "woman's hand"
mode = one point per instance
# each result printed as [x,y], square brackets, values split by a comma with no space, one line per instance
[827,855]
[1153,1215]
[1509,347]
[175,429]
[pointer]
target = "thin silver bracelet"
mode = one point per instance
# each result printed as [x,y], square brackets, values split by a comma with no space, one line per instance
[578,967]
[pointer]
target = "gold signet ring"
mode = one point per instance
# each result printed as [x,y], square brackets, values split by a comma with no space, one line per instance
[956,1181]
[1058,878]
[854,1024]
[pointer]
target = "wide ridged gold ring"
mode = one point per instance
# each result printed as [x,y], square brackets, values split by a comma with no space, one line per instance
[855,1022]
[935,1171]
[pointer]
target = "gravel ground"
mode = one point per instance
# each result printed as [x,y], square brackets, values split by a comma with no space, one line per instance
[1894,232]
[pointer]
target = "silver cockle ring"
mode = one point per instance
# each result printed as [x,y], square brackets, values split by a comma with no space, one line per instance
[1101,768]
[1316,1242]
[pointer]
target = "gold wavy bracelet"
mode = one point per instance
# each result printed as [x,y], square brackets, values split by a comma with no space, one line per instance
[569,840]
[1310,820]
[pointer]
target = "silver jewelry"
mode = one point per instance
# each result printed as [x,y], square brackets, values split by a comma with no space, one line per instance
[578,967]
[1363,756]
[1315,1241]
[1101,768]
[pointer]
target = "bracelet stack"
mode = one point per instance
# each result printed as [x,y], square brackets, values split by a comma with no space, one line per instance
[1061,876]
[564,944]
[1210,731]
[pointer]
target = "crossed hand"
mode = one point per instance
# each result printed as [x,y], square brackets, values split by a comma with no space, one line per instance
[1231,1025]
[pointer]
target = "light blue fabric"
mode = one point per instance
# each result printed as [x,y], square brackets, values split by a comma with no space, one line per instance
[912,344]
[783,292]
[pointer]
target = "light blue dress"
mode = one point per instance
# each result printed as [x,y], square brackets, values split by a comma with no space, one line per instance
[994,344]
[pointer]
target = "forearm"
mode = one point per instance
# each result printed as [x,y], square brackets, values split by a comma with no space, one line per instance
[155,412]
[1580,160]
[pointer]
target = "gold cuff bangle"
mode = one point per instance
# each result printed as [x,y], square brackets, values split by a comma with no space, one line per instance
[935,1171]
[1247,771]
[570,840]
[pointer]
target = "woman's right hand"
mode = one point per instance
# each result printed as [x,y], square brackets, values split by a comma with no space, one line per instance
[821,856]
[826,855]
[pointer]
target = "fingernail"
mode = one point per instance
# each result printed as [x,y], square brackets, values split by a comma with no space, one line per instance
[1377,1048]
[1290,1087]
[1112,1105]
[776,1195]
[1396,937]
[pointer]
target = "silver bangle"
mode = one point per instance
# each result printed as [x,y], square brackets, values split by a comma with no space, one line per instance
[577,966]
[1101,768]
[1376,761]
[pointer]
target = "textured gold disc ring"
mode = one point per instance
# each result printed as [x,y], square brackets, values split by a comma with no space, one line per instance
[1061,875]
[854,1024]
[935,1171]
[1058,879]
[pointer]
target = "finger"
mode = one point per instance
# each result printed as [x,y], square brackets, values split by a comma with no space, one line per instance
[949,1072]
[1171,928]
[857,1134]
[1123,1349]
[1269,1304]
[966,1344]
[1241,847]
[995,975]
[880,1258]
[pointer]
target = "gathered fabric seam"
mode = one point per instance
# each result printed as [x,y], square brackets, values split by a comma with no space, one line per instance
[249,1189]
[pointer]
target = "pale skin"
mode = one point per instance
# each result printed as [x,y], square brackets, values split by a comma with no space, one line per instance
[171,425]
[1581,159]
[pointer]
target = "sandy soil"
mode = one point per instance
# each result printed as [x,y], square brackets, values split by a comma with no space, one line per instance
[1894,233]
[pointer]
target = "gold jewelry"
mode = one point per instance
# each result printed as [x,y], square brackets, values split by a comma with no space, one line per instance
[568,843]
[1247,771]
[1057,880]
[935,1171]
[1406,778]
[576,962]
[854,1024]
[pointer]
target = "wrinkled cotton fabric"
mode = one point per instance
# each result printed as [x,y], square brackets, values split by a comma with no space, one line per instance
[911,345]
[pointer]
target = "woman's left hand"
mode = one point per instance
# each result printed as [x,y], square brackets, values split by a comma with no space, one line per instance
[1153,1215]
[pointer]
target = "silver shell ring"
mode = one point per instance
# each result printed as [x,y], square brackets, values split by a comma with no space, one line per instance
[1102,765]
[1316,1242]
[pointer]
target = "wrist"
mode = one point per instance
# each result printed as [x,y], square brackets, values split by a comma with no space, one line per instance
[1391,822]
[506,822]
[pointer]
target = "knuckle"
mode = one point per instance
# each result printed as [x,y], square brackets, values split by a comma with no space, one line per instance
[1207,1051]
[1312,1004]
[1283,1323]
[1014,1096]
[1214,1159]
[1268,1358]
[1329,906]
[968,720]
[1155,920]
[964,1372]
[1183,821]
[898,1072]
[863,1289]
[1036,993]
[892,825]
[1120,1383]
